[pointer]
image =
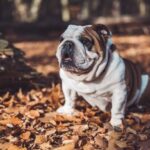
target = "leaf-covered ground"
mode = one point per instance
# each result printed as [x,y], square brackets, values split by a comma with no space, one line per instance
[28,120]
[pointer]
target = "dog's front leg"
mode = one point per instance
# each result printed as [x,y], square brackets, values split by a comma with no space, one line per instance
[119,100]
[70,96]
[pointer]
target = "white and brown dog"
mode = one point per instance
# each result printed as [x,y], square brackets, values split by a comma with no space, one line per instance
[89,67]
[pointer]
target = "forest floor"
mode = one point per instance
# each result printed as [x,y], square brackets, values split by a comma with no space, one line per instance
[28,119]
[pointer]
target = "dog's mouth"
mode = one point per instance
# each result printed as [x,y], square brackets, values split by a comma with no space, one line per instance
[66,58]
[68,64]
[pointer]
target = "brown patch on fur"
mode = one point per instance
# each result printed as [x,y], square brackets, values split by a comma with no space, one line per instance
[104,34]
[99,44]
[102,30]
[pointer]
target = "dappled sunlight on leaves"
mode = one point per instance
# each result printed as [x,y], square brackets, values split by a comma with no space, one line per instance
[28,119]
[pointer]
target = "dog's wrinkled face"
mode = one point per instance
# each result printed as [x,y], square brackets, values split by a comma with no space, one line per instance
[81,46]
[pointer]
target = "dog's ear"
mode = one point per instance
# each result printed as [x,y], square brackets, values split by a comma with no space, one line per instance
[104,33]
[102,30]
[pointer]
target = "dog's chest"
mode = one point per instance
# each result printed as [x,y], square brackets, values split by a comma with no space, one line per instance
[92,90]
[100,97]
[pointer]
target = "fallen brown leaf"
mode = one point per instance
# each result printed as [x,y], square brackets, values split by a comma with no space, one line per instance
[13,120]
[143,137]
[33,114]
[25,135]
[79,129]
[88,146]
[101,142]
[10,146]
[39,139]
[69,146]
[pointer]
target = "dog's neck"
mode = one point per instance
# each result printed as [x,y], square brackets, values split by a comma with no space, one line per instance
[98,70]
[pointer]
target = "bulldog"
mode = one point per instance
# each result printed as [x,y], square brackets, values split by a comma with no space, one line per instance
[90,67]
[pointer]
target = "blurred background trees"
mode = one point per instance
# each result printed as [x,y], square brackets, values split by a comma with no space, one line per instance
[58,13]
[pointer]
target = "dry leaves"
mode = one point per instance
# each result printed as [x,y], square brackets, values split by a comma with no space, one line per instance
[26,135]
[13,120]
[69,146]
[28,119]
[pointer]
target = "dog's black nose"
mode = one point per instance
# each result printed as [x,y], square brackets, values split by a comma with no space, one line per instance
[68,45]
[67,51]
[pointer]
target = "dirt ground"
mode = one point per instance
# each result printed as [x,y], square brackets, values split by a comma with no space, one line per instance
[28,120]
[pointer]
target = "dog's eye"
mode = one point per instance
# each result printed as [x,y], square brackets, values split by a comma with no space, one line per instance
[61,39]
[88,43]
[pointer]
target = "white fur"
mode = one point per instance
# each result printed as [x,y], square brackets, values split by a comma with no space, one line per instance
[95,92]
[112,82]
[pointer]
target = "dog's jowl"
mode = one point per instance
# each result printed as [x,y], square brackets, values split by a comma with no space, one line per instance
[90,67]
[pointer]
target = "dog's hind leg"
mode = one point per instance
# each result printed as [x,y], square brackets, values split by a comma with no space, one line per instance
[145,90]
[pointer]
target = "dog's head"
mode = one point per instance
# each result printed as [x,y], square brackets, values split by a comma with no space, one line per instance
[82,46]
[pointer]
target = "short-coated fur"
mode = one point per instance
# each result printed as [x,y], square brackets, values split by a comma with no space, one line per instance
[104,84]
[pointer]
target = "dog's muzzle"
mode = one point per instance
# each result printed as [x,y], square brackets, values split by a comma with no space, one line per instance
[67,52]
[72,61]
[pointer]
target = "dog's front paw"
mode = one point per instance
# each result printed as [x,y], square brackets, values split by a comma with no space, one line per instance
[117,124]
[66,110]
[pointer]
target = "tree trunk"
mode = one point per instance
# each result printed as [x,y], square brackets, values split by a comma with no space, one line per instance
[65,10]
[27,12]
